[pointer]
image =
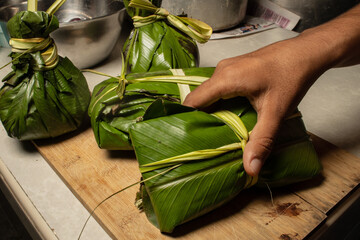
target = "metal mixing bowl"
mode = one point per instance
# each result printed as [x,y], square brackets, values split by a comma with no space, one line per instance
[219,14]
[89,29]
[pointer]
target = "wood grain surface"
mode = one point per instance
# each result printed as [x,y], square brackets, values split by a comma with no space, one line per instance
[93,174]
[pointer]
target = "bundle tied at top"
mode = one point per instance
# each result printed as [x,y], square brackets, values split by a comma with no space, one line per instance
[196,29]
[29,33]
[162,41]
[44,95]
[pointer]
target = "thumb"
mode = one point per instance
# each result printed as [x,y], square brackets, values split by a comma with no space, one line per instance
[261,142]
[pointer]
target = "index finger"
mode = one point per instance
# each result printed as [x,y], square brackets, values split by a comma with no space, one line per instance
[203,96]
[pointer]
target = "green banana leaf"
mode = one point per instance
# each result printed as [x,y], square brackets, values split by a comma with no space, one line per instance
[161,41]
[147,116]
[40,98]
[112,116]
[176,190]
[158,46]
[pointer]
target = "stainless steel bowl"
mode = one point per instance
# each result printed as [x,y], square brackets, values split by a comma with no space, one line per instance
[89,29]
[219,14]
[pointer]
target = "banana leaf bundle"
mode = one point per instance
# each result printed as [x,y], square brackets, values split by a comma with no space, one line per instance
[115,107]
[191,161]
[44,95]
[162,41]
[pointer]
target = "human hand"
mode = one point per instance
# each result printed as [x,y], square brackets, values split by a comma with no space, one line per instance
[276,78]
[273,80]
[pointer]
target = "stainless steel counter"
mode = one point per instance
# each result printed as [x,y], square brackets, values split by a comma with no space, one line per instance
[51,211]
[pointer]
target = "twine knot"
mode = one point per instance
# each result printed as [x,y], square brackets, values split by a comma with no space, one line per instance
[162,12]
[194,28]
[46,47]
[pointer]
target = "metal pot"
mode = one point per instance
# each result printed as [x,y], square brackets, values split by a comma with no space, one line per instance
[313,13]
[89,29]
[219,14]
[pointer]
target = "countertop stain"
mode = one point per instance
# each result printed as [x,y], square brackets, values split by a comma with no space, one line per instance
[288,209]
[285,209]
[289,236]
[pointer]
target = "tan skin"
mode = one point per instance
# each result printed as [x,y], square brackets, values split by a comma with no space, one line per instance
[275,78]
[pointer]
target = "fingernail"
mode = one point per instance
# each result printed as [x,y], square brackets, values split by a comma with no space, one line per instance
[255,165]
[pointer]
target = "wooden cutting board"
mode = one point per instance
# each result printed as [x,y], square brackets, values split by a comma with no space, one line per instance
[93,174]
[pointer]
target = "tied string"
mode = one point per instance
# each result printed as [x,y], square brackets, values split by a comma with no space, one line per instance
[49,57]
[184,89]
[231,120]
[236,124]
[196,29]
[159,14]
[46,46]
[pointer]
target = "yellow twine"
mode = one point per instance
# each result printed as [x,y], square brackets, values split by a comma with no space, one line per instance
[194,28]
[236,124]
[46,46]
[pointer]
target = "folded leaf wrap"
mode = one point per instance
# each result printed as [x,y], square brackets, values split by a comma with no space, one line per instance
[161,41]
[44,95]
[196,186]
[191,161]
[111,117]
